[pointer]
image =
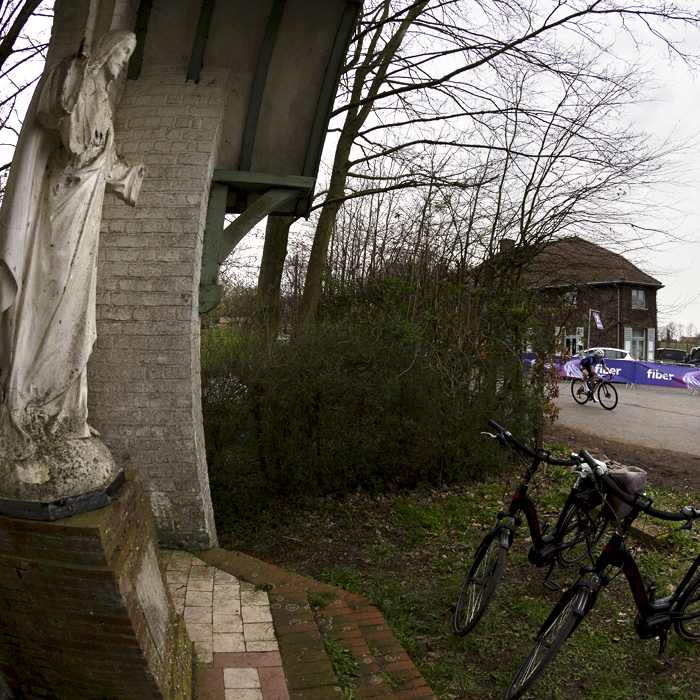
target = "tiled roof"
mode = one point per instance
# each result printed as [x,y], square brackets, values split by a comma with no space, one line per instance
[575,261]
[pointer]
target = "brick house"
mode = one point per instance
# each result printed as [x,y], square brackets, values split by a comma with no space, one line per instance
[576,276]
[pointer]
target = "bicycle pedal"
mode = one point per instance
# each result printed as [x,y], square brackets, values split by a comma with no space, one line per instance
[552,585]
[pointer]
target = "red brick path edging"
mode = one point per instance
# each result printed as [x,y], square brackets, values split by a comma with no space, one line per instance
[385,670]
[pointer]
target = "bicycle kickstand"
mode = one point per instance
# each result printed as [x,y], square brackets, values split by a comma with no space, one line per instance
[663,638]
[548,583]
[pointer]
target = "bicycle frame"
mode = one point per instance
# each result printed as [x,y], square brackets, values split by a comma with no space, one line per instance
[543,549]
[522,503]
[655,616]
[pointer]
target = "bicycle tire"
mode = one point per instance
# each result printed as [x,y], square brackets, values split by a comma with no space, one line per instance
[690,628]
[607,396]
[480,584]
[578,392]
[554,632]
[577,527]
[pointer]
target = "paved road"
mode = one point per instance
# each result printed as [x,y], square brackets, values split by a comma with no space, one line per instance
[651,416]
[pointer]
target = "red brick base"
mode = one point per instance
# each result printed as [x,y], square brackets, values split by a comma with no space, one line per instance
[84,610]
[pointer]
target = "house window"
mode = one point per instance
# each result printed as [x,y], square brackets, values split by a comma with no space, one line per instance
[570,298]
[639,299]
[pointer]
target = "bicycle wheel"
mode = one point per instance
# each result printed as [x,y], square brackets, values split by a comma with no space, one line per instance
[480,585]
[689,604]
[578,392]
[575,530]
[607,395]
[549,640]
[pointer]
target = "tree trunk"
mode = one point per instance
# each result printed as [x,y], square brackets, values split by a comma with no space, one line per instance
[271,268]
[324,230]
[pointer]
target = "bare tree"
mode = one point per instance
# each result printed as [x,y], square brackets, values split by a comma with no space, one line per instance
[23,47]
[425,70]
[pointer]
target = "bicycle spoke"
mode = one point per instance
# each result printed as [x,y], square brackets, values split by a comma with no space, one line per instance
[480,585]
[547,644]
[688,612]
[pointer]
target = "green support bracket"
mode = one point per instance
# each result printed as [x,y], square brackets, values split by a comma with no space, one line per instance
[219,242]
[209,288]
[254,214]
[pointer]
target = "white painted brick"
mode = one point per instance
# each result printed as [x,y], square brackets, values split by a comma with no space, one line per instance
[144,387]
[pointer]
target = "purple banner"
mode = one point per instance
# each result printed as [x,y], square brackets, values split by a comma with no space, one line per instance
[622,370]
[632,372]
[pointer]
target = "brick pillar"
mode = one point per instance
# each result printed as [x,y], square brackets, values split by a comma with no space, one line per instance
[85,609]
[144,382]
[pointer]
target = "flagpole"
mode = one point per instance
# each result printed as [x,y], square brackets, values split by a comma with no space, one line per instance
[589,326]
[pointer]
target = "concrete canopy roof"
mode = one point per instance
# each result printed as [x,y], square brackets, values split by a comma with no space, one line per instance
[283,59]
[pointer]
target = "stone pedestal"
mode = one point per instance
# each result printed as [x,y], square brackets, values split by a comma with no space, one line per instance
[84,610]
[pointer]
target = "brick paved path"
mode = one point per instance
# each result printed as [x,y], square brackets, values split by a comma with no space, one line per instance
[257,631]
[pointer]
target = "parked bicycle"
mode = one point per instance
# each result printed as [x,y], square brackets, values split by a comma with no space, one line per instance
[576,532]
[603,388]
[656,617]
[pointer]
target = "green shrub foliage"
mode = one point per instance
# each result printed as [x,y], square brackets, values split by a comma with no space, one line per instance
[363,399]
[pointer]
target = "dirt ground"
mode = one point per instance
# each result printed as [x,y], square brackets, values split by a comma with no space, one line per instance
[664,468]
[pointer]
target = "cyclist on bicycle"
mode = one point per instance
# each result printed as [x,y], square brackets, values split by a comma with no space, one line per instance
[587,367]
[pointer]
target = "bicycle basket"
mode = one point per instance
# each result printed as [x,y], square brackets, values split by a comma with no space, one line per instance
[628,478]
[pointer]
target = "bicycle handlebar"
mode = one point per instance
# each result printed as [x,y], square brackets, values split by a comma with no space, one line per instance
[542,456]
[686,513]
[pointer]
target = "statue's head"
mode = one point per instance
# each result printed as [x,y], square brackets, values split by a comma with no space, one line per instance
[113,52]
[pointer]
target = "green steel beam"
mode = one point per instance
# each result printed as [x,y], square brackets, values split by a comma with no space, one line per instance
[240,180]
[254,214]
[200,40]
[324,106]
[140,28]
[330,87]
[256,96]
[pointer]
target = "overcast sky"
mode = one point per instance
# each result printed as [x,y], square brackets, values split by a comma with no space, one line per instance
[678,266]
[672,110]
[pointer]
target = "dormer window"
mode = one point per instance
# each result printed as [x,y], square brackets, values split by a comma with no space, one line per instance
[639,299]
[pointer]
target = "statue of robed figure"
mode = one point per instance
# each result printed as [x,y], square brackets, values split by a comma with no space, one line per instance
[49,231]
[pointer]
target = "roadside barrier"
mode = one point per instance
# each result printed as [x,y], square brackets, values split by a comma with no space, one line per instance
[633,373]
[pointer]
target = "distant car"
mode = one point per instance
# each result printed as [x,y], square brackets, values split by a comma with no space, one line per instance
[693,357]
[610,353]
[670,356]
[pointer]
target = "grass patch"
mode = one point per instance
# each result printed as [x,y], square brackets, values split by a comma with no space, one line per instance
[344,667]
[318,601]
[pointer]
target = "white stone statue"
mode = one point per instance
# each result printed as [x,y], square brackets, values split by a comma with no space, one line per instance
[49,230]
